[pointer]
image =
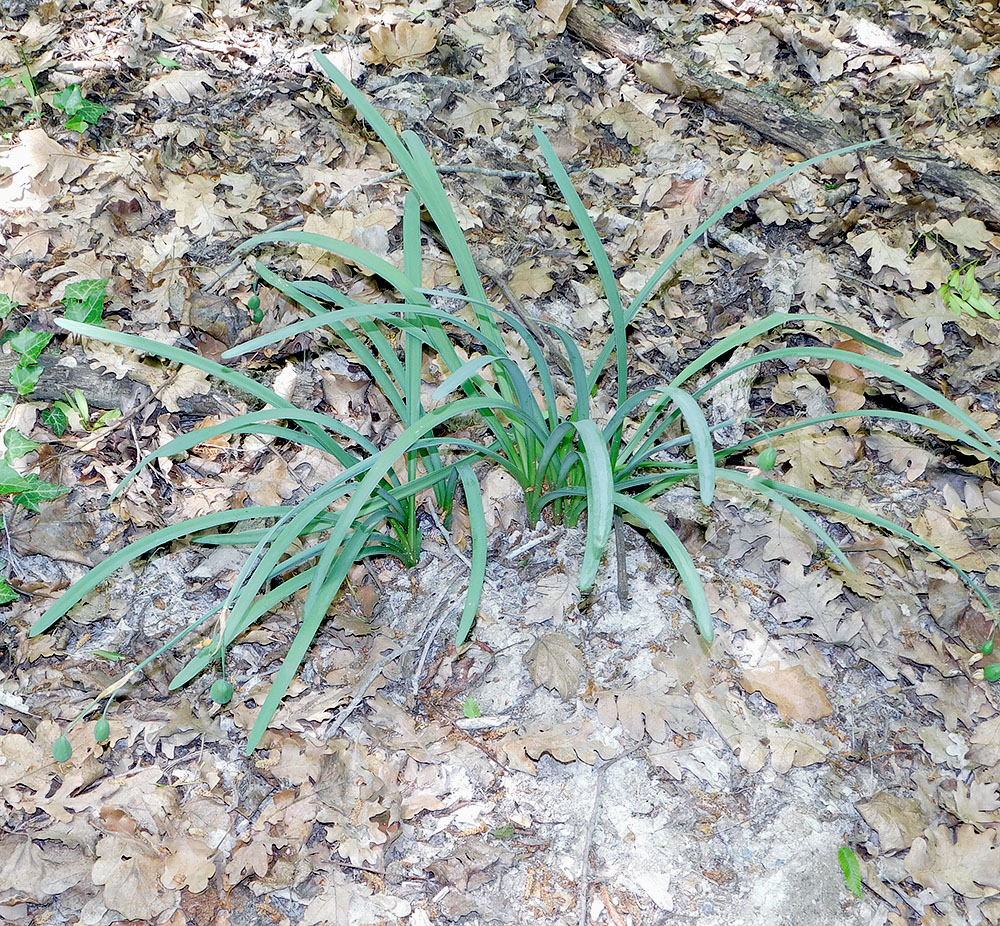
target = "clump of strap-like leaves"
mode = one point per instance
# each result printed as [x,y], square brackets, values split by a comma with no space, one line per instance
[569,465]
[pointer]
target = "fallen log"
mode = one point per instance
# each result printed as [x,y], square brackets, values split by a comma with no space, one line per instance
[770,115]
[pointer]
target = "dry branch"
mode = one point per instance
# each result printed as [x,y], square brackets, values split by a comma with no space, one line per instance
[770,115]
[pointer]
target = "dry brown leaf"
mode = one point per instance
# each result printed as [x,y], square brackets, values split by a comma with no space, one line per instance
[472,114]
[565,742]
[498,59]
[882,253]
[813,596]
[965,233]
[316,14]
[899,454]
[130,871]
[555,11]
[556,662]
[647,707]
[189,863]
[551,598]
[751,738]
[897,820]
[529,281]
[796,694]
[402,43]
[810,455]
[179,86]
[969,865]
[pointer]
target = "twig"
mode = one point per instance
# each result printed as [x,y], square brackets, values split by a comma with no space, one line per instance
[591,827]
[390,657]
[448,539]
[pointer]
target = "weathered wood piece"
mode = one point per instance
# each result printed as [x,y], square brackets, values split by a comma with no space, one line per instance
[770,115]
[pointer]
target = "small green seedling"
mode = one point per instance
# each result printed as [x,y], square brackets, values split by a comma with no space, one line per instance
[62,414]
[471,709]
[81,113]
[852,870]
[963,296]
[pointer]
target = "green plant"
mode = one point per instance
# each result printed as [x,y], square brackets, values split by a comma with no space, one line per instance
[76,408]
[81,113]
[961,293]
[851,867]
[570,465]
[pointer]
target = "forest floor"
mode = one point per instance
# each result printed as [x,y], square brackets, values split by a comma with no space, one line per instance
[622,770]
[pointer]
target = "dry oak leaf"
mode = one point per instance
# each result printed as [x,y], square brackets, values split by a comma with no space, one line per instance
[529,281]
[964,233]
[195,204]
[796,694]
[190,863]
[751,738]
[401,43]
[882,254]
[565,742]
[647,707]
[897,820]
[813,596]
[473,114]
[316,14]
[130,871]
[556,11]
[179,86]
[970,865]
[810,454]
[556,662]
[37,873]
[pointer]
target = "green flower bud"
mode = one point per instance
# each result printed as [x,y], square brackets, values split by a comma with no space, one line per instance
[767,458]
[222,692]
[62,751]
[992,672]
[102,730]
[987,647]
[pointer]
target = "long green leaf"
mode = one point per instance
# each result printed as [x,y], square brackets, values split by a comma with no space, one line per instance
[862,514]
[600,508]
[104,569]
[677,554]
[599,255]
[480,548]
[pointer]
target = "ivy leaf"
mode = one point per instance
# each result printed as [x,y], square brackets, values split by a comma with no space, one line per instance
[30,344]
[27,490]
[17,445]
[56,419]
[68,99]
[7,305]
[84,301]
[7,594]
[25,377]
